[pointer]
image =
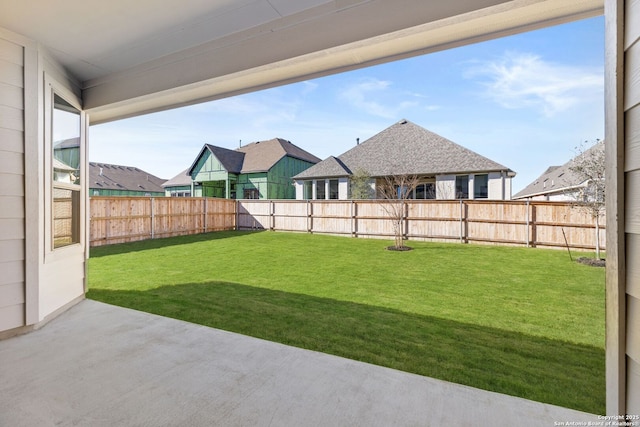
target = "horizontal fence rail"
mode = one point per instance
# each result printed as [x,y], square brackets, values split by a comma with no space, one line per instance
[532,224]
[128,219]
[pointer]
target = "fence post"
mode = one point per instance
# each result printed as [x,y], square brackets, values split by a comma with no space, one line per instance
[272,219]
[527,221]
[204,220]
[534,232]
[462,231]
[153,219]
[107,225]
[354,224]
[236,206]
[405,220]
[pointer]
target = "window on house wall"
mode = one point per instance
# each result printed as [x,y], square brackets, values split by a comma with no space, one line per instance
[481,186]
[251,193]
[462,187]
[308,190]
[65,173]
[320,190]
[430,190]
[333,188]
[425,191]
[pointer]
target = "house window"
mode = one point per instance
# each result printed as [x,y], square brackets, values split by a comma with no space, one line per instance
[320,190]
[333,188]
[425,191]
[65,173]
[481,186]
[462,187]
[430,190]
[308,190]
[251,193]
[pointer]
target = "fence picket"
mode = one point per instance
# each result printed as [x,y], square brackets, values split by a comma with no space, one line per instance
[527,223]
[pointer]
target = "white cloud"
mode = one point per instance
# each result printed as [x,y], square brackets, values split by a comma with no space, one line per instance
[374,97]
[520,80]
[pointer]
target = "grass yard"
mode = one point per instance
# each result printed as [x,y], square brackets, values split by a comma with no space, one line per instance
[524,322]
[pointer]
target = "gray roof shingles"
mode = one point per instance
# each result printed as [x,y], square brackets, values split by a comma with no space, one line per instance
[555,179]
[180,180]
[405,148]
[117,177]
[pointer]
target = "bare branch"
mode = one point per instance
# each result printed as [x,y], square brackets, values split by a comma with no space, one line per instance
[394,191]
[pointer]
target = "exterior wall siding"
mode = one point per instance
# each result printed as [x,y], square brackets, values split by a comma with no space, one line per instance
[12,186]
[209,168]
[627,143]
[177,188]
[252,181]
[280,184]
[622,136]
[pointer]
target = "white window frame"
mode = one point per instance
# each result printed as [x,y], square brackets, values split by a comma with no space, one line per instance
[51,87]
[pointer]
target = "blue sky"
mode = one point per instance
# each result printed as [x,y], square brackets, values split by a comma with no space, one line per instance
[526,101]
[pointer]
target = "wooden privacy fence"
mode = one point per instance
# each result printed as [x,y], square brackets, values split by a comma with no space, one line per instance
[544,224]
[535,224]
[127,219]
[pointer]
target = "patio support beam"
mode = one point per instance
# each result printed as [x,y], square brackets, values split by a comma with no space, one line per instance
[294,49]
[615,205]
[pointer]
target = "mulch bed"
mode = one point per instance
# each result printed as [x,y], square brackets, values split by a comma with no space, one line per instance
[594,262]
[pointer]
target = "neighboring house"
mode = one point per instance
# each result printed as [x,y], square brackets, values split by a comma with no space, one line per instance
[260,170]
[116,180]
[559,183]
[179,185]
[446,169]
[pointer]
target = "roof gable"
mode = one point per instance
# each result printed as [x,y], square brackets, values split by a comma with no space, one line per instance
[406,148]
[231,160]
[329,167]
[116,177]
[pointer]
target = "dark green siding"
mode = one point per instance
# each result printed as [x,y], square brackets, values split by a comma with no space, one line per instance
[279,182]
[274,184]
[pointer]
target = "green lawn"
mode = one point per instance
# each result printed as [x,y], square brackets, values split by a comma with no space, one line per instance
[524,322]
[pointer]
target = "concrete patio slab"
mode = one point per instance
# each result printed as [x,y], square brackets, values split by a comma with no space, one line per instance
[100,365]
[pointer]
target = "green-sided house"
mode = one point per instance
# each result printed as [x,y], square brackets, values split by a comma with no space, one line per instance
[260,170]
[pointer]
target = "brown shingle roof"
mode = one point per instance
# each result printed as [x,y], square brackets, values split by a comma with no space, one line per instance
[255,157]
[406,148]
[263,155]
[117,177]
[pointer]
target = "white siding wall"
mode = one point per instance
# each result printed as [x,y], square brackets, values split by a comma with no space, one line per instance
[299,186]
[445,187]
[343,188]
[632,203]
[12,213]
[622,136]
[496,185]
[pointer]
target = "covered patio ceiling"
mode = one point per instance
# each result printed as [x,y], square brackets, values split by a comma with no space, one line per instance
[135,57]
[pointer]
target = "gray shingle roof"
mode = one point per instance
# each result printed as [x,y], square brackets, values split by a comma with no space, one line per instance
[116,177]
[406,148]
[555,179]
[182,179]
